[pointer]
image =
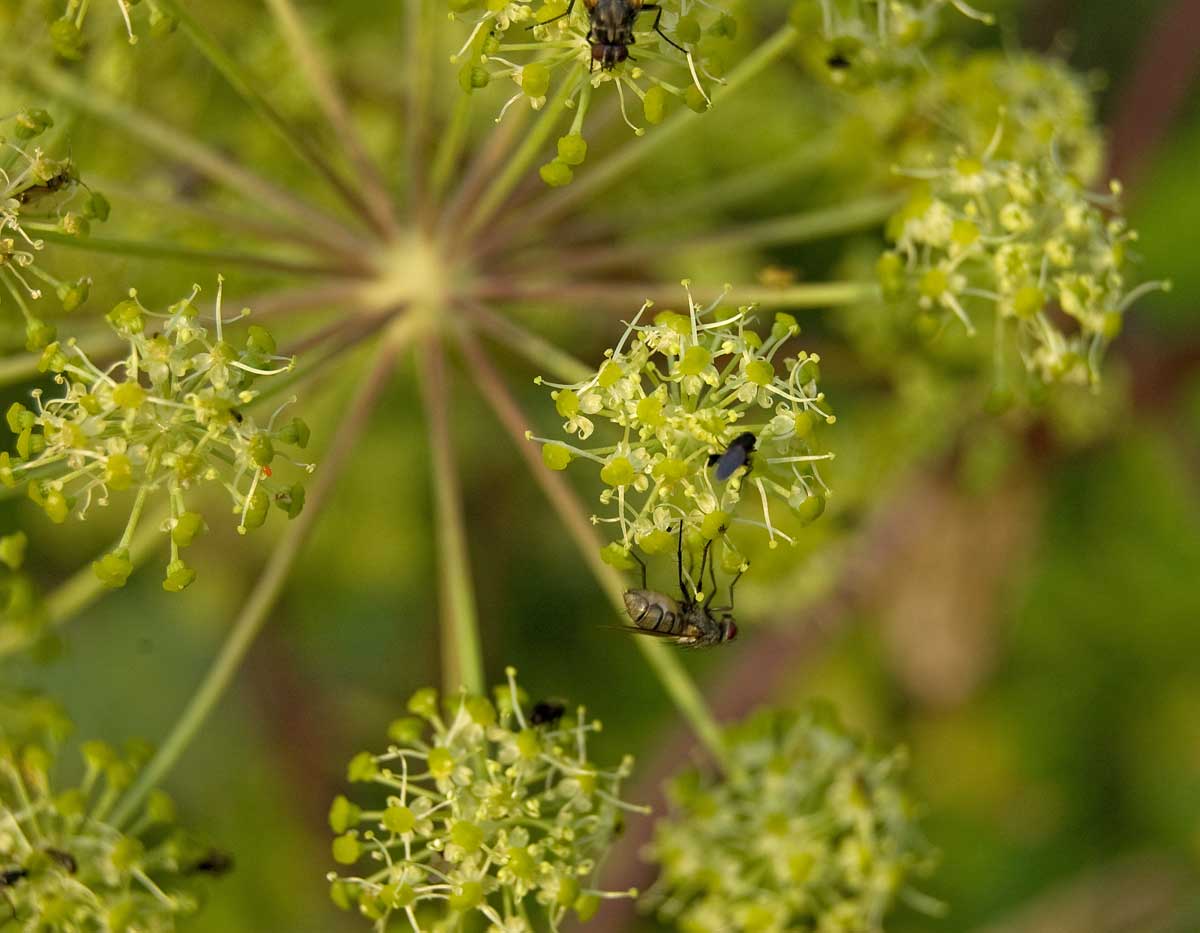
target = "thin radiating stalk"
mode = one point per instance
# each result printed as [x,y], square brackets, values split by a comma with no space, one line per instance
[205,160]
[377,198]
[164,250]
[266,591]
[221,219]
[662,659]
[450,146]
[508,177]
[481,169]
[462,659]
[624,295]
[419,60]
[801,227]
[242,83]
[526,343]
[628,157]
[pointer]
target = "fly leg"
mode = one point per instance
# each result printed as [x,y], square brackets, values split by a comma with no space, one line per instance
[732,584]
[642,564]
[679,564]
[555,19]
[658,26]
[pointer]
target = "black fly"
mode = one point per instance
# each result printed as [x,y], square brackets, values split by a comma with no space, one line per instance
[737,454]
[547,712]
[611,31]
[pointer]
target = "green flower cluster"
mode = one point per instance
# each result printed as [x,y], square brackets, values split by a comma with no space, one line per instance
[39,193]
[528,41]
[677,390]
[66,23]
[1024,241]
[809,831]
[168,416]
[490,808]
[856,42]
[64,867]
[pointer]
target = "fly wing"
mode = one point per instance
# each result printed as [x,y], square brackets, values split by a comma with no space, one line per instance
[633,630]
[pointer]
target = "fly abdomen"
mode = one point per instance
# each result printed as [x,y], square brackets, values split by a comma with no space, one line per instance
[654,612]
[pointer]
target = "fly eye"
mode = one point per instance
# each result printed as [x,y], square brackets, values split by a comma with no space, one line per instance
[598,51]
[622,53]
[730,630]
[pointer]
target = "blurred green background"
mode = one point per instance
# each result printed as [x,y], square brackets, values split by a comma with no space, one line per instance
[1032,632]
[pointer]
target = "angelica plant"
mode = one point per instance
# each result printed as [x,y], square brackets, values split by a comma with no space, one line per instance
[431,199]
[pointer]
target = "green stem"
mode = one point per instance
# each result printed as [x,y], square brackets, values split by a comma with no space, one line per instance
[462,661]
[801,227]
[450,147]
[377,199]
[662,659]
[242,83]
[534,348]
[179,146]
[268,588]
[512,173]
[624,160]
[624,295]
[162,250]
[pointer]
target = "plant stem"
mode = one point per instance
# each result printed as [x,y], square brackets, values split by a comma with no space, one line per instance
[462,662]
[164,250]
[258,606]
[451,146]
[377,199]
[418,58]
[624,295]
[209,162]
[241,82]
[622,162]
[662,659]
[536,349]
[508,177]
[801,227]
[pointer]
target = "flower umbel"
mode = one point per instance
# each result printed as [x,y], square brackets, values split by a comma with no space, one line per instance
[527,42]
[677,390]
[485,812]
[66,868]
[39,193]
[1024,241]
[808,832]
[67,31]
[170,415]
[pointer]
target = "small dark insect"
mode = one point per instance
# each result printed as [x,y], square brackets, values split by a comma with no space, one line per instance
[687,622]
[213,862]
[737,454]
[8,878]
[49,186]
[547,712]
[611,32]
[65,860]
[838,62]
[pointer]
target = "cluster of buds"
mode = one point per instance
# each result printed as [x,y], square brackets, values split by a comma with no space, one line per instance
[1023,241]
[866,41]
[490,808]
[38,194]
[676,391]
[67,24]
[1039,103]
[170,415]
[807,831]
[64,866]
[682,48]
